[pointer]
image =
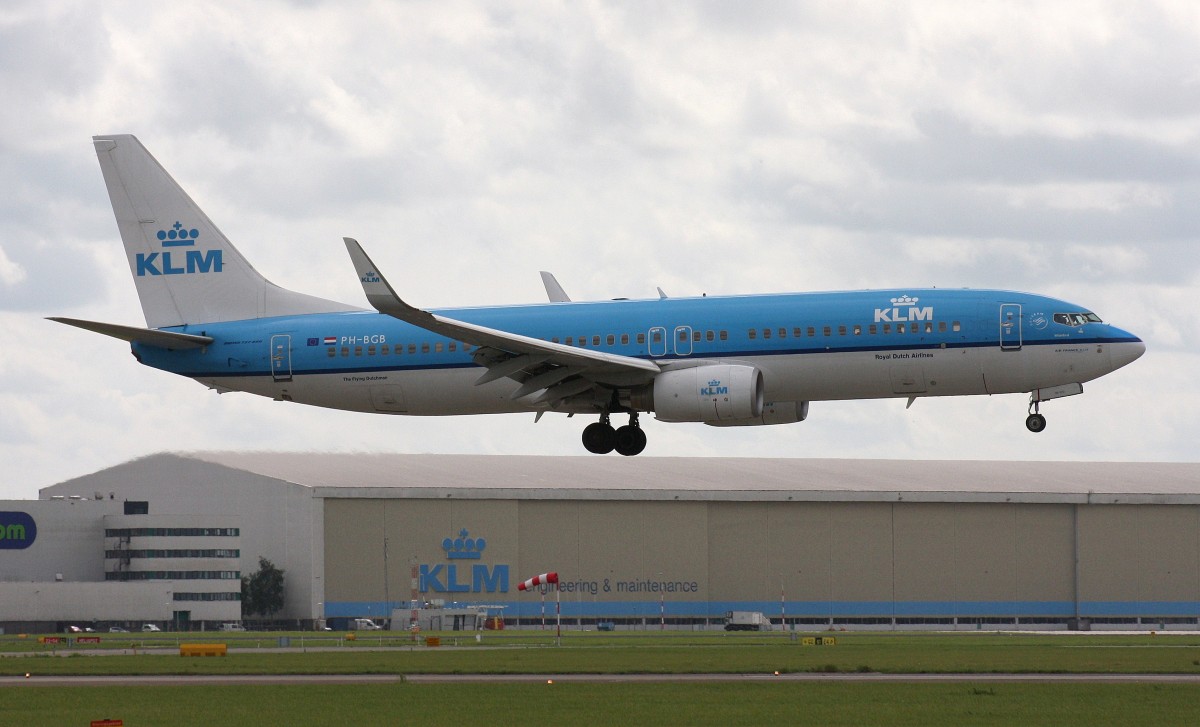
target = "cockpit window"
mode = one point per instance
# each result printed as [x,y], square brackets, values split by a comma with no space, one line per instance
[1076,319]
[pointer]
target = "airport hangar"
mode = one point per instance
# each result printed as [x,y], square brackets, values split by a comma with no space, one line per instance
[818,543]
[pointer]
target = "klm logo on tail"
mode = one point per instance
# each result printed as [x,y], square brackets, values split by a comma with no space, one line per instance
[185,262]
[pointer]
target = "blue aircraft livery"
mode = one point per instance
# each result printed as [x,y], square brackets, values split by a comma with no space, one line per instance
[744,360]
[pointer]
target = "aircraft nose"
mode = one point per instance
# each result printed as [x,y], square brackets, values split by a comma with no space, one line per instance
[1124,353]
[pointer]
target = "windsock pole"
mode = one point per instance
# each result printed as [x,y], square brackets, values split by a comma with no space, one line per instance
[546,579]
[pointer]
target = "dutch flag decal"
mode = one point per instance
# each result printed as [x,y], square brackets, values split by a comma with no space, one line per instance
[330,340]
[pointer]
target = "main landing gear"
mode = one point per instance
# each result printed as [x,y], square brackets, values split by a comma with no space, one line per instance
[601,438]
[1035,422]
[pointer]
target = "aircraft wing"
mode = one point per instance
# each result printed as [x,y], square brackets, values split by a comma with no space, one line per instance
[146,336]
[539,365]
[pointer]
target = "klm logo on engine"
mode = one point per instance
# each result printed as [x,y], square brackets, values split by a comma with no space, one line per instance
[178,262]
[903,309]
[714,388]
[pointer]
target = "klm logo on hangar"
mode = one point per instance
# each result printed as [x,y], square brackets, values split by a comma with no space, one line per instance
[444,577]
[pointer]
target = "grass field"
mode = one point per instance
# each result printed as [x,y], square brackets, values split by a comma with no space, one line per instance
[666,653]
[608,704]
[728,703]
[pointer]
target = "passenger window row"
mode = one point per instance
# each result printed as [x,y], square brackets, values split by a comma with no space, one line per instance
[856,330]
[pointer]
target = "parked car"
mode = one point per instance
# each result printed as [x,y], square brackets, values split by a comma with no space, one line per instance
[150,627]
[117,630]
[232,627]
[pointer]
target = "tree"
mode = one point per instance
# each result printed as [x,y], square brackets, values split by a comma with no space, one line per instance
[262,591]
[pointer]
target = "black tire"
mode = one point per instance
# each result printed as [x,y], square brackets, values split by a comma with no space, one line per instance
[599,438]
[1035,423]
[630,441]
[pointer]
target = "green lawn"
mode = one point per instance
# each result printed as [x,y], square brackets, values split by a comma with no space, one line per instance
[661,653]
[608,704]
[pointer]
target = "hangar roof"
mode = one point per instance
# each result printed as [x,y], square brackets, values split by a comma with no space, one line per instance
[732,479]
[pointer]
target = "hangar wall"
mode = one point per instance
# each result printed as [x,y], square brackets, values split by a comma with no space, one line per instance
[812,561]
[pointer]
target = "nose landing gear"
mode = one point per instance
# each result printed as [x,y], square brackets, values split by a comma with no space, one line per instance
[1035,422]
[601,438]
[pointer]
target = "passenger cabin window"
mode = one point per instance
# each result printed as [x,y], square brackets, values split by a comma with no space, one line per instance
[424,348]
[624,339]
[783,333]
[956,326]
[332,352]
[872,329]
[696,336]
[710,336]
[858,330]
[724,335]
[825,330]
[899,328]
[453,346]
[370,350]
[437,347]
[610,339]
[641,338]
[766,333]
[941,326]
[570,340]
[595,340]
[841,330]
[753,334]
[812,332]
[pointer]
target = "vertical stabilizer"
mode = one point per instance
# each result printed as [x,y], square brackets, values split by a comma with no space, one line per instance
[185,269]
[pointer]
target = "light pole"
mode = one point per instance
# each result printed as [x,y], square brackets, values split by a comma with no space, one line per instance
[662,605]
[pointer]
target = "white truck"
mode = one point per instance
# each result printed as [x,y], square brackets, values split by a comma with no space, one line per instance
[746,621]
[366,624]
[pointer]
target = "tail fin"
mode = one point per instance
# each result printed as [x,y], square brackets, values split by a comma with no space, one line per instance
[186,271]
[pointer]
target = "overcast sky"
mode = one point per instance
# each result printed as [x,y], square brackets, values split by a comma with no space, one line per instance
[707,147]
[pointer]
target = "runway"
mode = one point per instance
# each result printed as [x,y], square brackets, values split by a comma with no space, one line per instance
[334,679]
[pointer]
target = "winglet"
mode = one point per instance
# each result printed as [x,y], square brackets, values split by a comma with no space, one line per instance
[553,290]
[379,293]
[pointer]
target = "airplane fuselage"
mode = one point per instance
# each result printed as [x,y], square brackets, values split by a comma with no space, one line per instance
[809,347]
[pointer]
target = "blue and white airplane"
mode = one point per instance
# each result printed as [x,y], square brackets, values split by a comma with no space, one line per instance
[722,360]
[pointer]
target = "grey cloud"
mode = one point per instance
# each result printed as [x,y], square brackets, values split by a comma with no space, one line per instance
[952,149]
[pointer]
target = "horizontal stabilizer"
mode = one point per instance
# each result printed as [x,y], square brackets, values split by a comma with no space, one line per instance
[145,336]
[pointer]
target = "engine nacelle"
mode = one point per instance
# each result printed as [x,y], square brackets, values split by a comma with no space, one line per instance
[712,393]
[774,412]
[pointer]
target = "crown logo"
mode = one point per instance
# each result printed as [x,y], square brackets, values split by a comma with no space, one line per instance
[714,382]
[904,300]
[463,547]
[177,236]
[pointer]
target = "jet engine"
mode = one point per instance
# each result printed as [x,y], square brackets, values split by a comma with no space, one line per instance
[774,412]
[713,393]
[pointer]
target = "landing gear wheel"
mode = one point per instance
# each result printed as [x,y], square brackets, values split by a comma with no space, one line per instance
[630,440]
[1035,423]
[599,438]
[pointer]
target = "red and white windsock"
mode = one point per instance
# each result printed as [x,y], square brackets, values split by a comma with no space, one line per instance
[538,581]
